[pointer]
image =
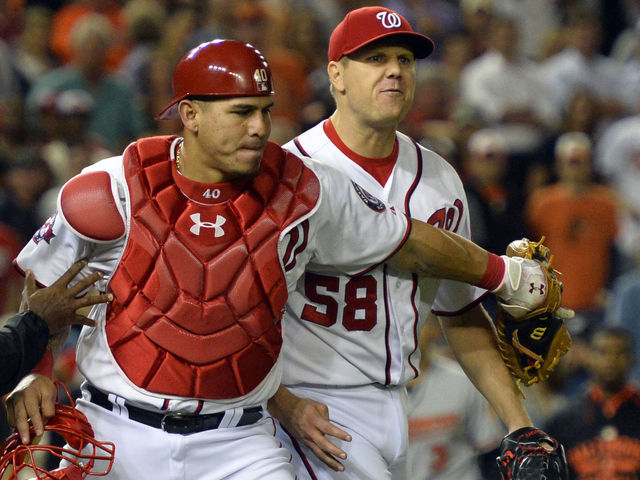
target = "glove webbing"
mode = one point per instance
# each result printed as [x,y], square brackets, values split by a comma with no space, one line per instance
[538,358]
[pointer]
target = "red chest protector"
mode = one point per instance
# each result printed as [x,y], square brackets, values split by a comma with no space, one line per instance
[199,292]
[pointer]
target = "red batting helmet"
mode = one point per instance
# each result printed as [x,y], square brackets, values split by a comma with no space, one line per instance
[84,454]
[221,68]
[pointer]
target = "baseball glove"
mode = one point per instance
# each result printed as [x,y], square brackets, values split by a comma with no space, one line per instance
[531,454]
[531,344]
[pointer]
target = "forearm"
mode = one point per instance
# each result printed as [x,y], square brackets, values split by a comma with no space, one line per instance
[438,253]
[282,401]
[434,252]
[22,342]
[473,342]
[58,341]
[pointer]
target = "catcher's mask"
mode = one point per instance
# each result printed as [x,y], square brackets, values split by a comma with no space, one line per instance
[82,451]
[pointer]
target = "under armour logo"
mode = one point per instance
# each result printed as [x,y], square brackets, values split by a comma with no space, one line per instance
[533,288]
[197,225]
[389,19]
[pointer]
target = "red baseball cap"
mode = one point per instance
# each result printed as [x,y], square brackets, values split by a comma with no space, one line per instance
[367,24]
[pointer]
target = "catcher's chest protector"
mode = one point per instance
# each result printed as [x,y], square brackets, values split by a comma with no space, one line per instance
[199,292]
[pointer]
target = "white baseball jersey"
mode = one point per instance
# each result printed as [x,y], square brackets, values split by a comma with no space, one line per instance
[317,239]
[349,331]
[450,423]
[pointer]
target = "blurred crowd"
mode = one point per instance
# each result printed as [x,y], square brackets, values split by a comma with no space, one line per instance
[535,102]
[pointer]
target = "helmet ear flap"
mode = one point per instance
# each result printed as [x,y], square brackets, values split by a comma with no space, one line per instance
[83,455]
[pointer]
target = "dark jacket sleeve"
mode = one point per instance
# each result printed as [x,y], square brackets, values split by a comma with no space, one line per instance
[23,341]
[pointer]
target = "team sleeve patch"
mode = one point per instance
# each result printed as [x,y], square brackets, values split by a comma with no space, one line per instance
[90,206]
[46,231]
[370,201]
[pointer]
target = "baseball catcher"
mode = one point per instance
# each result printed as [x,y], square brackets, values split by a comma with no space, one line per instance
[532,342]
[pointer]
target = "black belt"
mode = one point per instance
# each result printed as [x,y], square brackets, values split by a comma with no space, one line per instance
[182,423]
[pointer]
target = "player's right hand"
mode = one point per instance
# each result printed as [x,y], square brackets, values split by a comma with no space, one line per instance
[308,421]
[34,399]
[57,304]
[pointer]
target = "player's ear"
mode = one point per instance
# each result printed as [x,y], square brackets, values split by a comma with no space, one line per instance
[336,74]
[188,110]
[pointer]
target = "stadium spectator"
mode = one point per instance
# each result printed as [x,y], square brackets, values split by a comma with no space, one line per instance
[10,281]
[145,20]
[67,19]
[617,158]
[451,425]
[27,178]
[117,117]
[577,215]
[31,56]
[507,92]
[580,65]
[601,430]
[623,306]
[495,216]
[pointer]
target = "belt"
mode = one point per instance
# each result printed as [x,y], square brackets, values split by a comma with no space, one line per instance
[182,423]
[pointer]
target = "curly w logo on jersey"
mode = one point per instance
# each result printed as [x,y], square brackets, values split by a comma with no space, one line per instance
[46,231]
[372,202]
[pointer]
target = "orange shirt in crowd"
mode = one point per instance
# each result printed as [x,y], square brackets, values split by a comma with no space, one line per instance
[580,231]
[64,20]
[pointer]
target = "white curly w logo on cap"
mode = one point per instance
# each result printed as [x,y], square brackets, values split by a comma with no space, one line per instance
[389,19]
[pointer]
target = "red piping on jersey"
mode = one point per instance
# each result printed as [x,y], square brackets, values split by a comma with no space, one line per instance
[38,284]
[331,133]
[414,185]
[414,291]
[387,328]
[303,457]
[199,407]
[24,274]
[407,209]
[299,146]
[463,309]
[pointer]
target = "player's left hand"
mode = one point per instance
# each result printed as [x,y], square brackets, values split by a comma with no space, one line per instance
[33,400]
[57,304]
[308,422]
